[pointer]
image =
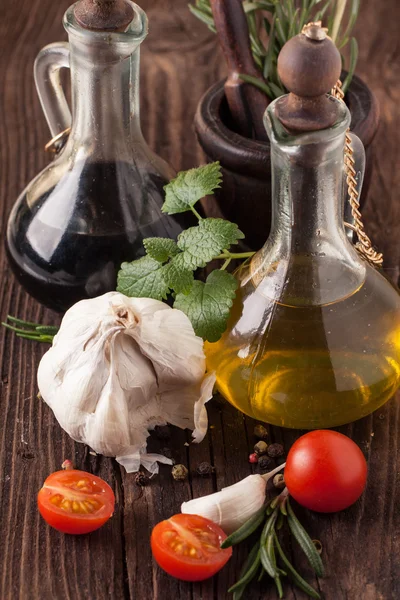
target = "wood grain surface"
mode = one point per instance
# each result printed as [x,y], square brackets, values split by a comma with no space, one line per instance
[361,546]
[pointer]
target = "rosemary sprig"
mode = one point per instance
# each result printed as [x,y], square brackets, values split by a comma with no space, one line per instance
[267,555]
[281,20]
[31,331]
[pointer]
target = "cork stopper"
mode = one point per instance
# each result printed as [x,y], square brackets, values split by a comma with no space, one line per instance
[309,65]
[104,15]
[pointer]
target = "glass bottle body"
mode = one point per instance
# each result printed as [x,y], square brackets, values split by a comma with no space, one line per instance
[90,209]
[313,339]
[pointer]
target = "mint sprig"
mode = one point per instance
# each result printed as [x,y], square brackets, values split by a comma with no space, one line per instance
[169,266]
[142,278]
[188,187]
[208,304]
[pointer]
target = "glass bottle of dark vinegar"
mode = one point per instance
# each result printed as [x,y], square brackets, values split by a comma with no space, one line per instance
[90,209]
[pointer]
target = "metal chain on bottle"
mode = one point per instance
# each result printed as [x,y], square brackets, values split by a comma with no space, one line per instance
[364,244]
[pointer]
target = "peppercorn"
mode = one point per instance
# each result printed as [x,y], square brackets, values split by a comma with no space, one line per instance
[260,431]
[163,432]
[204,469]
[179,472]
[318,546]
[260,448]
[275,450]
[279,481]
[265,464]
[141,479]
[253,458]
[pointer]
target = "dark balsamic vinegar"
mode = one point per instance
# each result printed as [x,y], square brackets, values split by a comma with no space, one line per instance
[68,243]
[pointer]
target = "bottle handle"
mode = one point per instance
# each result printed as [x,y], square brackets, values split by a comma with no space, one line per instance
[359,167]
[47,67]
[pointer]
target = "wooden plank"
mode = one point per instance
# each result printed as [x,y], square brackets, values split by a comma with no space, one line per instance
[361,547]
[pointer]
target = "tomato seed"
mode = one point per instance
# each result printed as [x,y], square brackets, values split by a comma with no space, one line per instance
[89,506]
[82,483]
[66,505]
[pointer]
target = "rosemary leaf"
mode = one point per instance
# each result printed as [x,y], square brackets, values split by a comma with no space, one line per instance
[257,82]
[352,64]
[18,330]
[202,16]
[354,9]
[276,90]
[278,584]
[257,45]
[47,329]
[340,7]
[320,14]
[266,563]
[293,24]
[26,324]
[295,576]
[238,592]
[280,32]
[268,527]
[266,540]
[305,542]
[270,52]
[36,338]
[205,6]
[303,17]
[249,575]
[246,529]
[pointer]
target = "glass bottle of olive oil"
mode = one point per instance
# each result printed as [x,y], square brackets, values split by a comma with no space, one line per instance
[313,339]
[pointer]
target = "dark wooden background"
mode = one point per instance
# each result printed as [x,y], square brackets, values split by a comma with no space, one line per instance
[361,547]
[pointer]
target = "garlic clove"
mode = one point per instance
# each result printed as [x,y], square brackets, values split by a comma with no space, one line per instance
[232,506]
[174,363]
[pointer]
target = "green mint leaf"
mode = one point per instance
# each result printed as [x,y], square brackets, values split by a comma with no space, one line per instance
[204,242]
[142,278]
[177,276]
[161,249]
[190,186]
[208,304]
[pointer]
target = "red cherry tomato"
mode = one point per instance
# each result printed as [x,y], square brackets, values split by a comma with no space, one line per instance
[325,471]
[75,501]
[188,547]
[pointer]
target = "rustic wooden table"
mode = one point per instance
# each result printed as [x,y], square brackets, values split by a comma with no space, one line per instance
[361,547]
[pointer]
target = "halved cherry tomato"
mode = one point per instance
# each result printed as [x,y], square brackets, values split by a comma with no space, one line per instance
[325,471]
[75,501]
[188,547]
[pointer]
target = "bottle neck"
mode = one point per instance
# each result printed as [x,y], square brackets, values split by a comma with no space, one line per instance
[105,89]
[307,259]
[307,192]
[105,100]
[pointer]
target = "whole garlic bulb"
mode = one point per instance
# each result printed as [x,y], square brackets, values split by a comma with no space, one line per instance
[120,366]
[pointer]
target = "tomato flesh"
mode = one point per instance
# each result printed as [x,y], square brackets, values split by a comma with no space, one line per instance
[188,547]
[325,471]
[75,502]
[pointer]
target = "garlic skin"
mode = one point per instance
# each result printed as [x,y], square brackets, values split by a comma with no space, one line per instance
[234,505]
[120,366]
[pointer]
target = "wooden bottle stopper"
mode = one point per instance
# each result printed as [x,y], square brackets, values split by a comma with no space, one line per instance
[104,15]
[309,65]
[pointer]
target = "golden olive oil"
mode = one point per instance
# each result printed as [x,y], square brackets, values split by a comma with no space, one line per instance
[310,366]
